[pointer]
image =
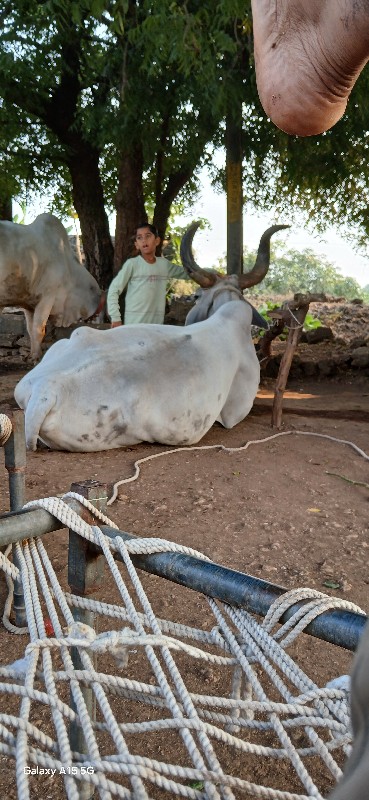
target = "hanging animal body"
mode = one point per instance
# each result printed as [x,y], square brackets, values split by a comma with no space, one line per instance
[39,274]
[100,390]
[308,56]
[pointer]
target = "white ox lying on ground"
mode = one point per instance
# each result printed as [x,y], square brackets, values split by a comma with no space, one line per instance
[39,274]
[154,383]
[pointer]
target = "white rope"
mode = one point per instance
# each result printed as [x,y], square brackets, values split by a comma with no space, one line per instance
[320,603]
[6,428]
[223,448]
[244,649]
[197,719]
[159,673]
[116,643]
[260,694]
[299,324]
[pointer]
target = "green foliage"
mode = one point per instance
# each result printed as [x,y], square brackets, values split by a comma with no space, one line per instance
[293,271]
[180,288]
[105,69]
[365,294]
[311,323]
[20,218]
[163,74]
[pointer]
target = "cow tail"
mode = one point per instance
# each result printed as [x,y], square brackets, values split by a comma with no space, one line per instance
[36,413]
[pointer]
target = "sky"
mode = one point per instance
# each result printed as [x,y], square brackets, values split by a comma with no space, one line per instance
[210,244]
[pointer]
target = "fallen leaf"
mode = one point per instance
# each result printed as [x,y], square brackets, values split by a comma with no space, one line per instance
[314,510]
[331,584]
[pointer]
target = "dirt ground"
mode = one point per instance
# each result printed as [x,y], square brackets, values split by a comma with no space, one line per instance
[292,510]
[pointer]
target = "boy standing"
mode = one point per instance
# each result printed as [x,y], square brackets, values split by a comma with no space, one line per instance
[145,278]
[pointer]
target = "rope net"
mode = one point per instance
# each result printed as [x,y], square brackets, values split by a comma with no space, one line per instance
[126,682]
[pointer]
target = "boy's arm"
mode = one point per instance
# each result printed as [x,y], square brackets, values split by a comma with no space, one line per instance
[116,288]
[178,272]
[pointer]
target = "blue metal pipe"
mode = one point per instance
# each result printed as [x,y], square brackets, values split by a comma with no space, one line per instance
[339,627]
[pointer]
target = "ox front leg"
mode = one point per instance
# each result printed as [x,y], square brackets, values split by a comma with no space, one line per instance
[29,323]
[38,326]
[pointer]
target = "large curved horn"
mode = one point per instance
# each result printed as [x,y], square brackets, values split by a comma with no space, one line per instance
[262,262]
[203,277]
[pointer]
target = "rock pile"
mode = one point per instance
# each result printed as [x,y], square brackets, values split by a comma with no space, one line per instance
[340,345]
[14,339]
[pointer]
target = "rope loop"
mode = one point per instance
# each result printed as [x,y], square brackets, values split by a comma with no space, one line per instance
[6,428]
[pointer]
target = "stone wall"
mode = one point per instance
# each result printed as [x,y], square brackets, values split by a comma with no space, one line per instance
[14,339]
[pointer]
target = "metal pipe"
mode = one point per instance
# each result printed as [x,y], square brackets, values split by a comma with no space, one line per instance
[342,628]
[339,627]
[85,576]
[25,524]
[15,463]
[15,460]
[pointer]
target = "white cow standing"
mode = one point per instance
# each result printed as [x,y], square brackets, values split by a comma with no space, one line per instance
[100,390]
[39,274]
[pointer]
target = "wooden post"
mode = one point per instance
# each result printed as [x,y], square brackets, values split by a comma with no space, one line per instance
[292,314]
[295,323]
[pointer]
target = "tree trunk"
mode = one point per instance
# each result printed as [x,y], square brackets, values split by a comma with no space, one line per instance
[233,142]
[164,199]
[130,205]
[6,208]
[88,201]
[60,114]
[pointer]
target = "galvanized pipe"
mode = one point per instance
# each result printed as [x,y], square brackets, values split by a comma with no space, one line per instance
[15,460]
[15,463]
[342,628]
[25,524]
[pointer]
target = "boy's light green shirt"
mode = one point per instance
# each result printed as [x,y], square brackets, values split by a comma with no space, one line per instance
[146,290]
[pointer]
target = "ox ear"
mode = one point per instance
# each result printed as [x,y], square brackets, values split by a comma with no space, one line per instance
[257,319]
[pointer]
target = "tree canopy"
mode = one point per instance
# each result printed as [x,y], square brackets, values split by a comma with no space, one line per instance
[114,105]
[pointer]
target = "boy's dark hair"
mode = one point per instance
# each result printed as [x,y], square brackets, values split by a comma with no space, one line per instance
[148,225]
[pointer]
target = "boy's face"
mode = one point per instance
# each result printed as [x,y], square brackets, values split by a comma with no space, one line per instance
[146,242]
